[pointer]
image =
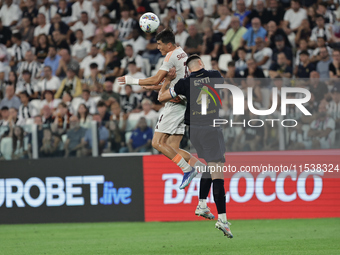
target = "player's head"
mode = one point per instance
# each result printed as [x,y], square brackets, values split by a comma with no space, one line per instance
[165,41]
[194,63]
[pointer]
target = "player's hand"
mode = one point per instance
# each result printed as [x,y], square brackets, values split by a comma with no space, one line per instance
[171,74]
[121,81]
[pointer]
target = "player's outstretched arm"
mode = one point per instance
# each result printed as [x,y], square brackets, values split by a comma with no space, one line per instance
[156,79]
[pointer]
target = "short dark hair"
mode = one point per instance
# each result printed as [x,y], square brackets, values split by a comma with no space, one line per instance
[191,58]
[26,71]
[304,52]
[84,12]
[109,35]
[101,103]
[62,104]
[25,94]
[125,8]
[53,46]
[319,16]
[4,108]
[17,36]
[243,49]
[93,65]
[48,67]
[86,90]
[231,63]
[166,36]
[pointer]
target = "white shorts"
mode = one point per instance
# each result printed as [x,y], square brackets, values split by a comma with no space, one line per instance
[171,120]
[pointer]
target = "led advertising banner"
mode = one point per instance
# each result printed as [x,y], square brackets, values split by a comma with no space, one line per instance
[71,190]
[262,186]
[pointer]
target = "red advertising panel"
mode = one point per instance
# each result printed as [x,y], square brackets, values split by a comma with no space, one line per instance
[258,186]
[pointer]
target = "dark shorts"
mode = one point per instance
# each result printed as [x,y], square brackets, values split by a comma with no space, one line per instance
[208,142]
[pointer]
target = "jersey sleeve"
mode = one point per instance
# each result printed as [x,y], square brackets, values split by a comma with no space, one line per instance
[167,63]
[180,88]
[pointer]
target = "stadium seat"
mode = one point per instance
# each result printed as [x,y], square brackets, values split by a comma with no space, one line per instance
[36,103]
[155,8]
[6,147]
[206,59]
[223,61]
[266,73]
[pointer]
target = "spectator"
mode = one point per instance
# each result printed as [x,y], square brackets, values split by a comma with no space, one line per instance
[27,31]
[49,100]
[147,112]
[281,47]
[317,87]
[209,7]
[103,137]
[71,84]
[316,53]
[114,45]
[88,101]
[194,42]
[30,11]
[211,43]
[66,62]
[305,67]
[5,116]
[281,68]
[84,116]
[181,35]
[129,101]
[325,13]
[222,23]
[62,119]
[13,117]
[231,73]
[29,65]
[311,16]
[118,116]
[322,130]
[130,56]
[241,63]
[232,39]
[58,41]
[19,48]
[293,17]
[141,137]
[18,148]
[50,82]
[80,7]
[334,67]
[42,28]
[109,95]
[273,31]
[333,106]
[85,25]
[137,41]
[64,11]
[95,81]
[255,31]
[112,65]
[50,144]
[94,57]
[5,35]
[276,13]
[201,20]
[27,85]
[41,51]
[103,113]
[126,24]
[116,136]
[261,54]
[73,145]
[172,19]
[104,24]
[132,71]
[322,66]
[303,46]
[10,100]
[48,9]
[183,7]
[10,13]
[26,109]
[252,70]
[241,11]
[47,117]
[259,12]
[320,30]
[81,48]
[303,32]
[52,59]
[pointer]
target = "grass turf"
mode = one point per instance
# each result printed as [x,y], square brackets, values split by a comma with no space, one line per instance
[296,236]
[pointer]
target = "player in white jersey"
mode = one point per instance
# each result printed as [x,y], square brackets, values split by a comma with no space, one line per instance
[170,126]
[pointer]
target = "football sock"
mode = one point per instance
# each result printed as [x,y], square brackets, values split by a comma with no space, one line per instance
[205,184]
[219,197]
[194,162]
[223,217]
[179,160]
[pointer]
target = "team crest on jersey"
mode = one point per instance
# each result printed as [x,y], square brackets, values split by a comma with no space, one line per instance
[209,93]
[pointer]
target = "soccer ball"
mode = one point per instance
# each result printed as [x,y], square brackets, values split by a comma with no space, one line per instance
[149,22]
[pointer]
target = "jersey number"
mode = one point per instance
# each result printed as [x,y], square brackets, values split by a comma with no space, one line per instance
[199,99]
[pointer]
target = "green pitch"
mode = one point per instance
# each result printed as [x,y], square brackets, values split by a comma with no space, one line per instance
[315,236]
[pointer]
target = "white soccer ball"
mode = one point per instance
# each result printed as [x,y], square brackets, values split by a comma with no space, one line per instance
[149,22]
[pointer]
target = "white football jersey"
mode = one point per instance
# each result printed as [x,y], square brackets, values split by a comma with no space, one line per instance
[176,58]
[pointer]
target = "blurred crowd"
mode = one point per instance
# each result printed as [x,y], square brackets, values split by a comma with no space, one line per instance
[59,61]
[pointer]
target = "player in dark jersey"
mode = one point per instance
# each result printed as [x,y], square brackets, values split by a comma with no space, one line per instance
[207,139]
